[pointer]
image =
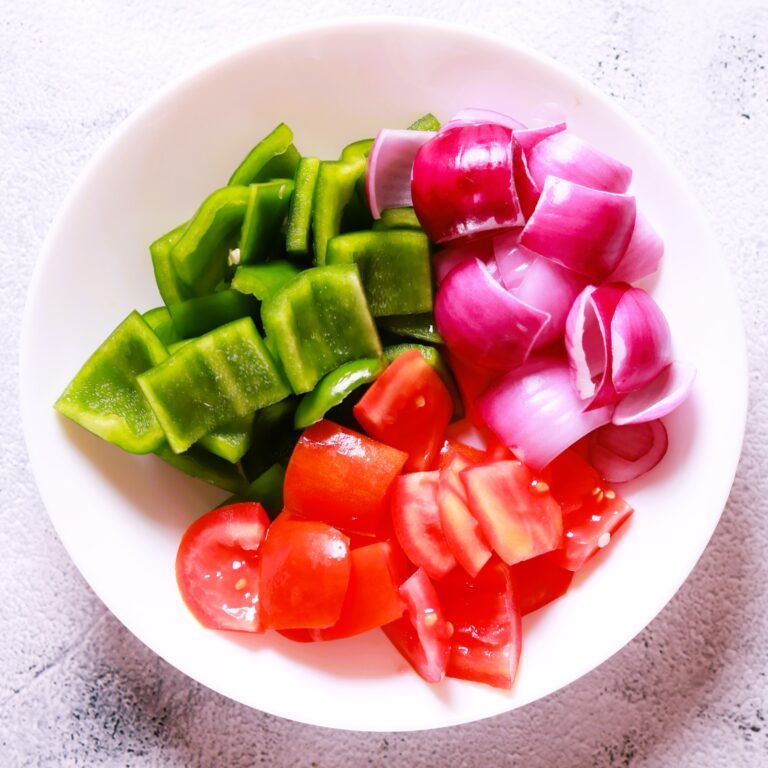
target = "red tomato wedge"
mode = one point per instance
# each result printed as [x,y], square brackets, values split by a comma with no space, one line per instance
[416,520]
[461,530]
[486,639]
[516,512]
[421,635]
[571,479]
[408,407]
[217,567]
[304,574]
[341,477]
[539,581]
[452,448]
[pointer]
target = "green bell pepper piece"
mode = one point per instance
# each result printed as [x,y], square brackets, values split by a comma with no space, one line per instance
[333,388]
[160,321]
[300,211]
[274,157]
[319,321]
[397,218]
[394,266]
[267,489]
[177,345]
[267,206]
[273,437]
[200,255]
[218,377]
[356,150]
[262,280]
[426,122]
[197,462]
[421,327]
[435,359]
[170,286]
[104,396]
[230,441]
[195,317]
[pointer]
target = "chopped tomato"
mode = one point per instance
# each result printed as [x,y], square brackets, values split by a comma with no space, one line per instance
[217,566]
[516,512]
[497,451]
[460,528]
[486,639]
[571,479]
[341,477]
[408,407]
[416,520]
[452,448]
[540,581]
[304,574]
[421,635]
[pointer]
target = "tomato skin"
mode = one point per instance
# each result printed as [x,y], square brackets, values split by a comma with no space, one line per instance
[408,407]
[487,631]
[341,477]
[539,581]
[453,448]
[304,574]
[571,480]
[416,520]
[421,635]
[518,517]
[205,572]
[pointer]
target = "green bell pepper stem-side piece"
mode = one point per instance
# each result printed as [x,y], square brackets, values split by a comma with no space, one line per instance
[300,211]
[426,122]
[257,161]
[230,441]
[333,388]
[263,280]
[200,255]
[319,321]
[394,266]
[420,327]
[169,284]
[195,317]
[397,218]
[105,398]
[216,378]
[435,359]
[334,190]
[267,207]
[160,321]
[197,462]
[273,437]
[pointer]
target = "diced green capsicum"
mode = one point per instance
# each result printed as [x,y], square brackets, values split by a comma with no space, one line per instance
[195,317]
[172,289]
[197,462]
[333,388]
[267,207]
[421,327]
[426,122]
[300,211]
[160,321]
[216,378]
[200,255]
[230,441]
[394,266]
[274,157]
[397,218]
[105,398]
[272,437]
[267,489]
[319,321]
[262,280]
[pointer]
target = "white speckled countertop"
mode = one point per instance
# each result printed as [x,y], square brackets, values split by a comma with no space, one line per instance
[77,689]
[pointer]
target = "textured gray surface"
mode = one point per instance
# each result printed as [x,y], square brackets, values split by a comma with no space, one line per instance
[691,690]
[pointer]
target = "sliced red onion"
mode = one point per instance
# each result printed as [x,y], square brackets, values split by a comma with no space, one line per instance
[476,115]
[538,282]
[460,251]
[643,253]
[535,411]
[586,230]
[566,156]
[463,182]
[665,393]
[528,138]
[624,453]
[388,174]
[528,191]
[481,322]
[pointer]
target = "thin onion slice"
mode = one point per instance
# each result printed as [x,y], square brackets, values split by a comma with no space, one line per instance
[477,115]
[665,393]
[583,229]
[535,411]
[565,155]
[390,162]
[528,138]
[528,191]
[624,453]
[461,251]
[481,322]
[643,253]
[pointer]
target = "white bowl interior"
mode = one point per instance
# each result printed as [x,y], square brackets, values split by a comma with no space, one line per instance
[121,517]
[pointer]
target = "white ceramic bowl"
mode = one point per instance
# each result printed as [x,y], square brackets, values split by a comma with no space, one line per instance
[120,517]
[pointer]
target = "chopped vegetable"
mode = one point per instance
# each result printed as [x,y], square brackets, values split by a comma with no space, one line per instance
[297,227]
[263,280]
[267,208]
[273,157]
[622,453]
[197,316]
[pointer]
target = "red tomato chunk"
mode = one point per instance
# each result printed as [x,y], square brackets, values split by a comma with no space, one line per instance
[539,581]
